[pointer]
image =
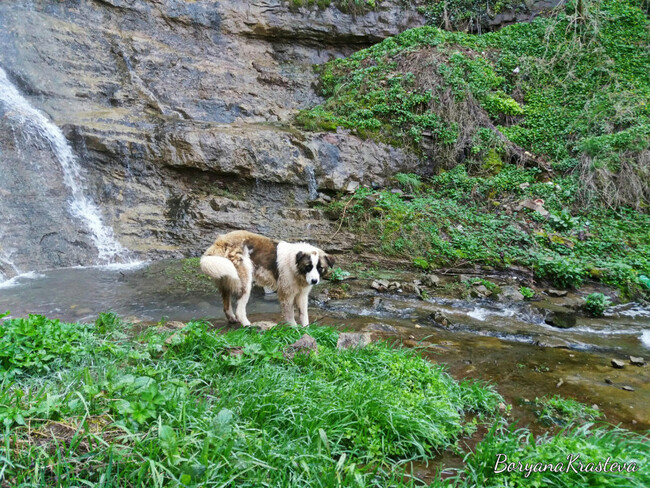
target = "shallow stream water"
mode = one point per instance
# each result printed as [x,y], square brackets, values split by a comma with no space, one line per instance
[507,343]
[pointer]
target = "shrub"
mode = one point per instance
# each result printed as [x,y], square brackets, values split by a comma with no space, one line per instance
[596,304]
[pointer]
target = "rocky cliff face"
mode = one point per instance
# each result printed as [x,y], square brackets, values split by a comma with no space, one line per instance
[181,111]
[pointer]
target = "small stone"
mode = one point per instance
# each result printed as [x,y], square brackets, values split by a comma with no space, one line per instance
[556,293]
[305,345]
[502,407]
[431,280]
[572,355]
[559,383]
[349,340]
[440,318]
[381,328]
[379,285]
[411,288]
[417,326]
[608,381]
[595,407]
[352,186]
[627,388]
[617,363]
[174,324]
[637,361]
[394,286]
[412,337]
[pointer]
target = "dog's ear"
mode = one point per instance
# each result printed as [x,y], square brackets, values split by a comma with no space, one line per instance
[329,260]
[299,256]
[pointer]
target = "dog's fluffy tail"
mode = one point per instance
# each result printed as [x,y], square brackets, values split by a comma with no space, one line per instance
[220,268]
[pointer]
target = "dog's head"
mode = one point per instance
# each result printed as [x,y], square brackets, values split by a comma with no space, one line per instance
[313,265]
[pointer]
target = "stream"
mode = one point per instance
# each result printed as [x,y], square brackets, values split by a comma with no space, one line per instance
[507,343]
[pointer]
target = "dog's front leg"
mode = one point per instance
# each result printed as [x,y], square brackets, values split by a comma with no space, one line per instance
[303,308]
[288,314]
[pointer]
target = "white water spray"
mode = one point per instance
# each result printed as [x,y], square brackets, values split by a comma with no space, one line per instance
[34,123]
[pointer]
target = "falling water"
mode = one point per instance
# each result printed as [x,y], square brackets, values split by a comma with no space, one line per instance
[35,124]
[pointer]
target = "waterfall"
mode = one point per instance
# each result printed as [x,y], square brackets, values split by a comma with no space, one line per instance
[37,129]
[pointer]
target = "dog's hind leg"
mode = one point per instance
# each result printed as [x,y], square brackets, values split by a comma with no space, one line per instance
[246,286]
[226,296]
[303,307]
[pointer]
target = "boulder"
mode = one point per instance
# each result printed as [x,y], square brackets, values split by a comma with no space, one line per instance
[562,320]
[510,294]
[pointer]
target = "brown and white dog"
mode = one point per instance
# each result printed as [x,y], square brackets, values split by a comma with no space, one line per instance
[239,258]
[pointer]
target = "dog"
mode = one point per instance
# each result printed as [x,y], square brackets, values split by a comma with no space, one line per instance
[238,259]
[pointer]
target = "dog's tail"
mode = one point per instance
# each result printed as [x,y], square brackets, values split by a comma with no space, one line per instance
[222,269]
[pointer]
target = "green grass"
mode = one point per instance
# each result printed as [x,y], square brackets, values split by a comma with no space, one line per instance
[202,407]
[592,445]
[564,411]
[197,407]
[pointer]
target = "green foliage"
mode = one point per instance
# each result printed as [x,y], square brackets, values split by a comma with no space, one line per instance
[30,345]
[337,274]
[481,281]
[528,293]
[462,13]
[563,411]
[572,89]
[199,407]
[596,304]
[484,467]
[408,181]
[456,218]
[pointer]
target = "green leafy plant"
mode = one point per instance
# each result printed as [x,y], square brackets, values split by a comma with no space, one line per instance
[596,303]
[338,274]
[528,293]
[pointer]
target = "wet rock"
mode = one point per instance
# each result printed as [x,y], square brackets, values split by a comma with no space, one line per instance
[480,291]
[349,340]
[637,361]
[562,320]
[375,327]
[617,363]
[395,286]
[305,345]
[431,280]
[510,294]
[553,342]
[379,285]
[411,288]
[609,381]
[440,318]
[556,293]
